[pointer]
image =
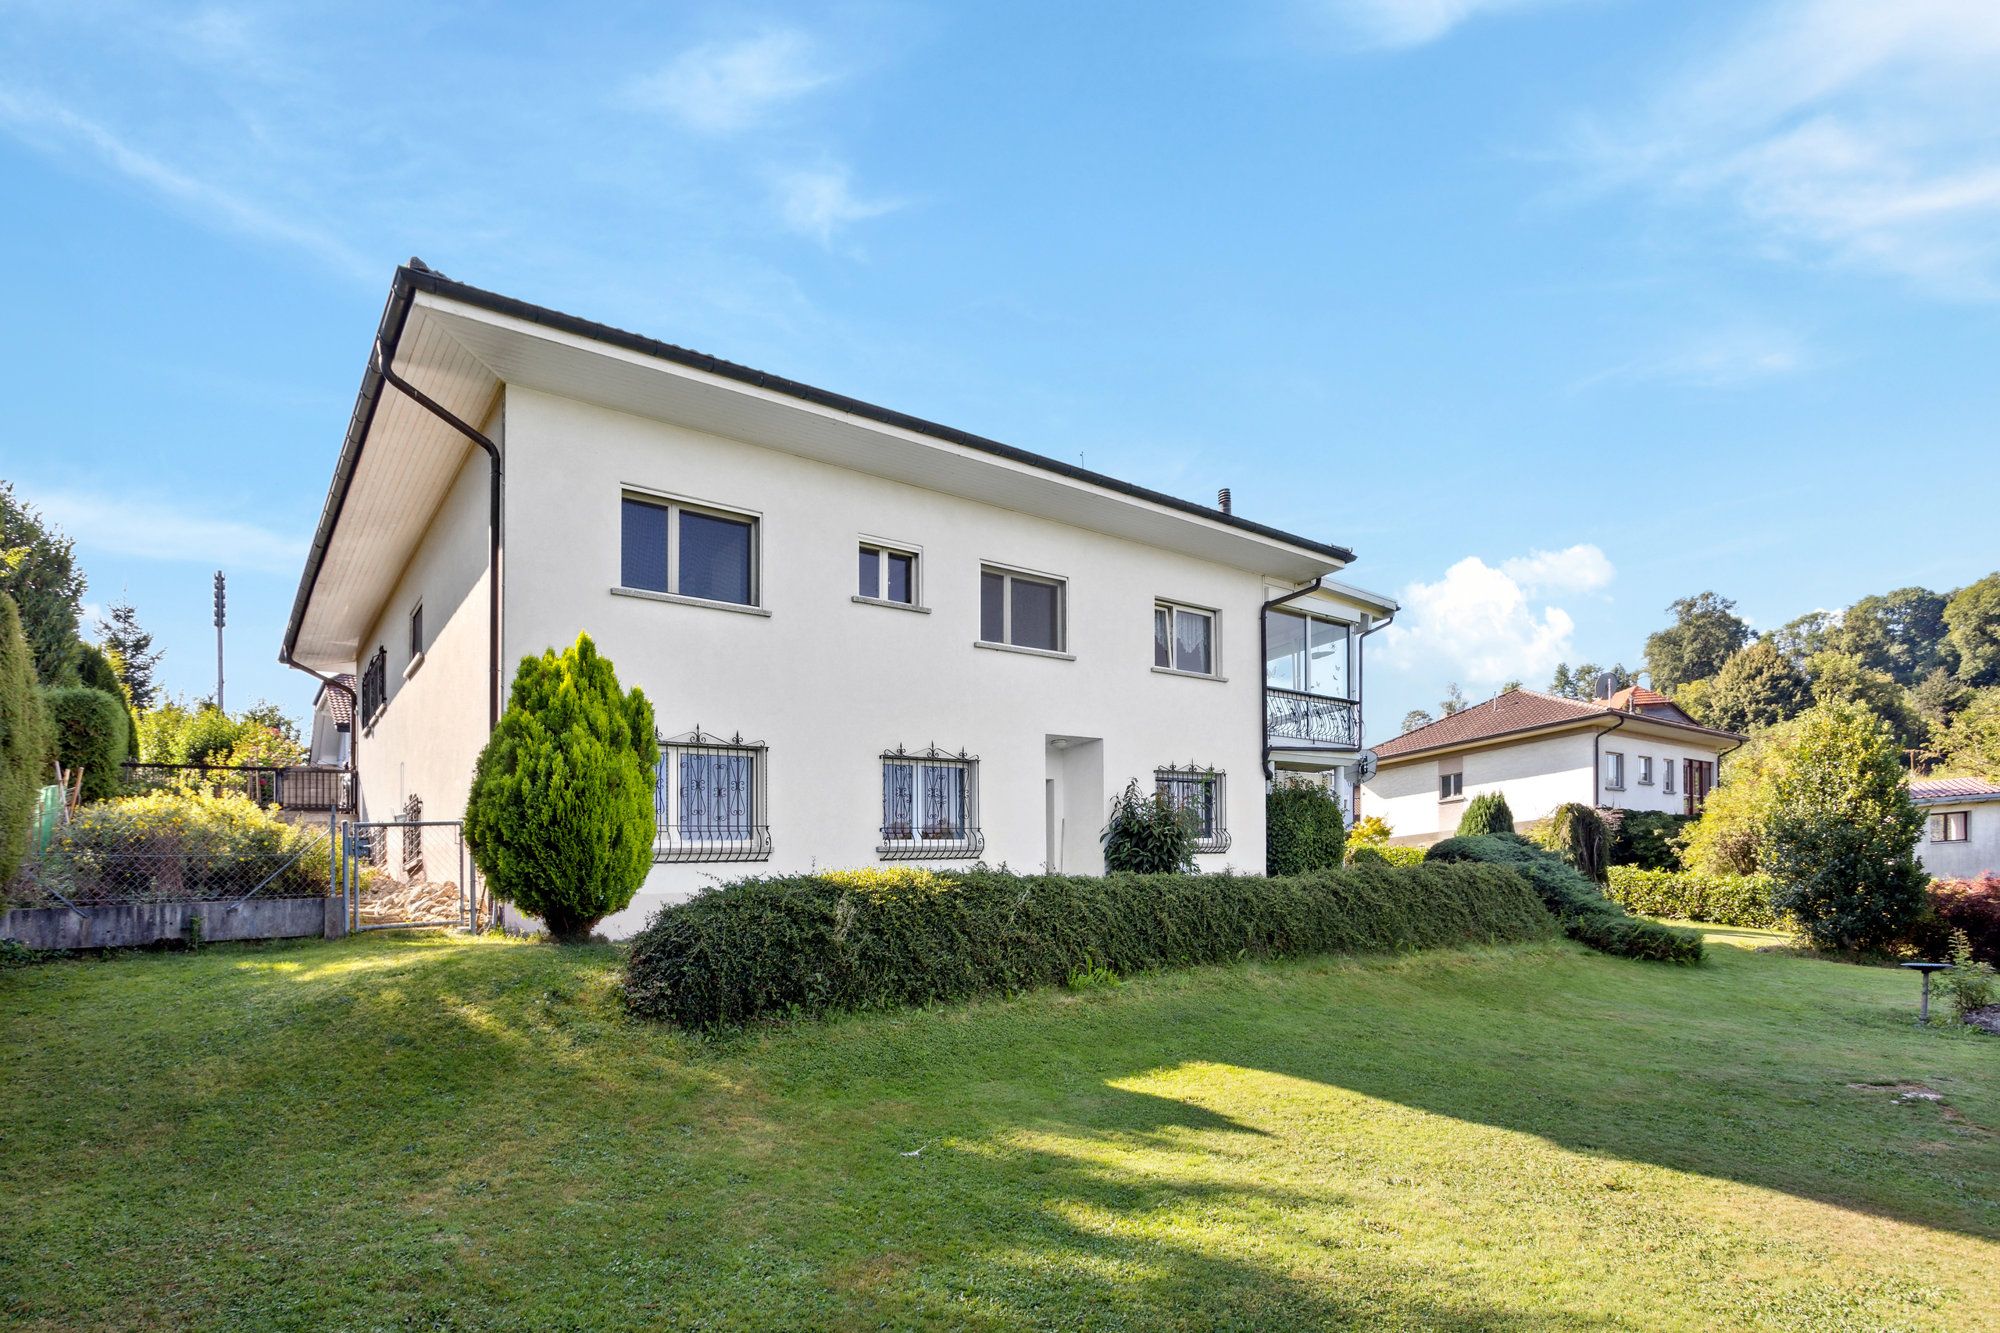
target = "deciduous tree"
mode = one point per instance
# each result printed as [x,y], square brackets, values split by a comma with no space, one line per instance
[1756,688]
[1706,633]
[1972,618]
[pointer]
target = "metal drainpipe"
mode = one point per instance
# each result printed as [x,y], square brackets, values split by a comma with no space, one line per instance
[1264,662]
[1597,761]
[444,414]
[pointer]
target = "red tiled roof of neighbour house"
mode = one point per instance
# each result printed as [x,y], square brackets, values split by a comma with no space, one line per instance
[1933,790]
[1531,710]
[339,703]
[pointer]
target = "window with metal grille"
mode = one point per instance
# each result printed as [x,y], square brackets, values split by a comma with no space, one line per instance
[374,686]
[413,838]
[930,805]
[1199,791]
[708,799]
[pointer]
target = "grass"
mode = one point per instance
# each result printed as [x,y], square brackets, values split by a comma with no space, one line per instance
[433,1132]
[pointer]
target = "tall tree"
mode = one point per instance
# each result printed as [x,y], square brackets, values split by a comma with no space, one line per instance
[1970,745]
[1453,701]
[24,740]
[1972,619]
[1810,633]
[1581,683]
[1902,633]
[38,570]
[1415,718]
[1842,678]
[1938,698]
[132,653]
[1758,687]
[1706,633]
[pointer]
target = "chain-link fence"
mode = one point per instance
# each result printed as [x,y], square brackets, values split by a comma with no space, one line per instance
[113,854]
[410,873]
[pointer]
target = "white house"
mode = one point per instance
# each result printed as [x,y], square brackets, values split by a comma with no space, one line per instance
[1633,750]
[1961,837]
[867,638]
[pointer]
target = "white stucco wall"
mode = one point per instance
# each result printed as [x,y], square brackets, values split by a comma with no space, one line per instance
[1979,853]
[1664,752]
[828,683]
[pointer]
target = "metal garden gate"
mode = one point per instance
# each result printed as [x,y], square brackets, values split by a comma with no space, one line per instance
[403,874]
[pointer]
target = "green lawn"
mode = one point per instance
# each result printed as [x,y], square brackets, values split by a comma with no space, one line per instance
[431,1132]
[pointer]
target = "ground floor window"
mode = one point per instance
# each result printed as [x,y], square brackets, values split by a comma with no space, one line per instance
[1200,792]
[1950,826]
[930,805]
[708,800]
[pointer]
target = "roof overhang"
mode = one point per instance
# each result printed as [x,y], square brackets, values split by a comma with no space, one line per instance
[461,345]
[1634,724]
[1973,798]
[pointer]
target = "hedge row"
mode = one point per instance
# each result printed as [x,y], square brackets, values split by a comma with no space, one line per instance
[813,944]
[1722,900]
[1586,914]
[1361,853]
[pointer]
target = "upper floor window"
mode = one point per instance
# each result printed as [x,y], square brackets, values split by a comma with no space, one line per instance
[669,547]
[1950,826]
[1614,770]
[888,575]
[930,805]
[1199,791]
[374,686]
[416,631]
[1451,786]
[1020,610]
[708,800]
[1306,653]
[1183,638]
[1645,770]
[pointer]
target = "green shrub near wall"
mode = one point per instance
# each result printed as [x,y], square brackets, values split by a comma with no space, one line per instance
[813,944]
[1484,814]
[1586,914]
[1577,834]
[1722,900]
[1304,830]
[24,740]
[1377,852]
[94,669]
[90,729]
[1649,839]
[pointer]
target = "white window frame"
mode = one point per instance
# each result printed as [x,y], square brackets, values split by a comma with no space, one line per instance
[1351,640]
[1941,825]
[1451,786]
[1614,766]
[1645,770]
[882,550]
[1174,610]
[1177,785]
[676,505]
[1009,574]
[671,839]
[924,838]
[1667,777]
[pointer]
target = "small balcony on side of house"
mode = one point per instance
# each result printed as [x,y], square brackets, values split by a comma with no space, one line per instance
[300,789]
[1309,699]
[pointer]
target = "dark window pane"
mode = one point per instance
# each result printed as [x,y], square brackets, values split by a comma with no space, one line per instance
[715,558]
[992,608]
[871,573]
[1191,646]
[1163,637]
[899,578]
[1037,615]
[643,546]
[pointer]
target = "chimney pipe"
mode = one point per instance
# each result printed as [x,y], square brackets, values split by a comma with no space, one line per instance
[1222,500]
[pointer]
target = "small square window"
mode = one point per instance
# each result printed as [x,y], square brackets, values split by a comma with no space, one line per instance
[1451,786]
[1950,825]
[1183,638]
[708,800]
[1200,793]
[930,806]
[1021,610]
[888,575]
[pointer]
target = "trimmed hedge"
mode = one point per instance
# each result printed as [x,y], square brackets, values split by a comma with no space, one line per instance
[24,740]
[1586,914]
[1722,900]
[91,729]
[815,944]
[1304,829]
[1360,853]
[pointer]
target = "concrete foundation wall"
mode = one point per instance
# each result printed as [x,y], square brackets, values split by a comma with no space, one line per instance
[128,924]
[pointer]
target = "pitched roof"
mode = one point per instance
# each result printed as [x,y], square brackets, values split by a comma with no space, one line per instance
[1531,710]
[339,703]
[1933,791]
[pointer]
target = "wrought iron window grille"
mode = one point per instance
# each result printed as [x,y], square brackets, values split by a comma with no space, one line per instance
[375,686]
[709,801]
[930,806]
[1201,791]
[413,838]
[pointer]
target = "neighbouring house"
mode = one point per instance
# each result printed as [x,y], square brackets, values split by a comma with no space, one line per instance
[1629,750]
[333,723]
[867,638]
[1961,837]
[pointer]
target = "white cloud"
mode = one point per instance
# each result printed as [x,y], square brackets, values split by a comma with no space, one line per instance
[720,87]
[1848,131]
[1482,626]
[156,527]
[822,201]
[1395,23]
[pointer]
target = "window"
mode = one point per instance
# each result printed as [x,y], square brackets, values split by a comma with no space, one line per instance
[1614,770]
[1020,610]
[667,547]
[1451,786]
[1306,654]
[708,800]
[1950,825]
[416,635]
[888,575]
[930,805]
[1667,777]
[374,687]
[1183,639]
[1200,792]
[1645,770]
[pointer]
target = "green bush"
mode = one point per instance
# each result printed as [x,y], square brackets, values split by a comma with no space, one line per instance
[1367,853]
[1649,839]
[560,817]
[172,846]
[1304,829]
[1722,900]
[89,728]
[1147,835]
[1484,814]
[1586,914]
[813,944]
[94,669]
[24,741]
[1577,834]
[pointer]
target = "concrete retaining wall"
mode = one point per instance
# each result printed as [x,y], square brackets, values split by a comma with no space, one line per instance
[128,924]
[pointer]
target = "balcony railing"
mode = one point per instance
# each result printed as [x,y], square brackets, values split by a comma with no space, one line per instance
[1312,719]
[299,788]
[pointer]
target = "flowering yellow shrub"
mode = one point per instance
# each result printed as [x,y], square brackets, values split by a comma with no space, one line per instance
[877,879]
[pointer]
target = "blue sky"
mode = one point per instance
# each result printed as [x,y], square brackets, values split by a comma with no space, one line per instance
[1553,311]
